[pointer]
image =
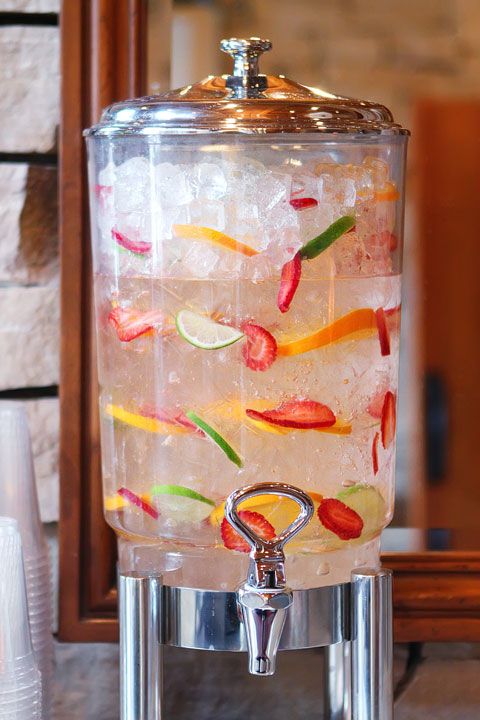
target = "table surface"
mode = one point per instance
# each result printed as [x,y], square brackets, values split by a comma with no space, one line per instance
[445,685]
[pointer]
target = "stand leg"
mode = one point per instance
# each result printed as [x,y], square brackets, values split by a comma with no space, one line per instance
[372,645]
[337,681]
[140,614]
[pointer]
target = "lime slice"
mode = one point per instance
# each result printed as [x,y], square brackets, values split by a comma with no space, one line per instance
[369,504]
[180,503]
[216,437]
[204,333]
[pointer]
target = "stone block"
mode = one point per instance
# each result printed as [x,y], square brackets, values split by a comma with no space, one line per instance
[28,222]
[43,417]
[30,81]
[37,6]
[29,336]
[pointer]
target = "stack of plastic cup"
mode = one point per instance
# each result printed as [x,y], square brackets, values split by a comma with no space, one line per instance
[20,682]
[18,499]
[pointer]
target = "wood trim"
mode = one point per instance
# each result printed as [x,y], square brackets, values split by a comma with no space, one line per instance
[436,595]
[102,61]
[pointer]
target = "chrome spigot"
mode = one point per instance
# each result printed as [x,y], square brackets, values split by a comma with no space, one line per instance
[264,598]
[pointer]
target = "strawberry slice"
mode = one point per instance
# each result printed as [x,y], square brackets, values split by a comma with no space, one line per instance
[139,502]
[138,247]
[375,452]
[303,203]
[383,333]
[291,273]
[260,349]
[131,324]
[233,541]
[301,414]
[389,419]
[375,407]
[102,192]
[340,519]
[392,240]
[392,317]
[173,417]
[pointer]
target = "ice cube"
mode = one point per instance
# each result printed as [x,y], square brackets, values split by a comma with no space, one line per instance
[243,175]
[170,216]
[363,182]
[208,181]
[106,177]
[173,186]
[314,221]
[209,213]
[305,186]
[378,170]
[243,222]
[349,254]
[133,186]
[337,190]
[200,260]
[272,189]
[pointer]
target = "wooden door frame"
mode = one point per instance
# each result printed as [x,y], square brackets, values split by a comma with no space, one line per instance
[436,595]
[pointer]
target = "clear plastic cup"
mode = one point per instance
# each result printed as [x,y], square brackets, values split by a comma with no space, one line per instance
[18,499]
[20,680]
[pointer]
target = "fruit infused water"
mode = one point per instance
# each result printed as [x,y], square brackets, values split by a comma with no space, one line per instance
[248,307]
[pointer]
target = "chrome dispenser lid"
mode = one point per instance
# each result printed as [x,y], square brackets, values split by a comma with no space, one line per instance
[245,102]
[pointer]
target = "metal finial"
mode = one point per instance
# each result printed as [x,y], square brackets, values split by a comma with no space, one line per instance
[246,80]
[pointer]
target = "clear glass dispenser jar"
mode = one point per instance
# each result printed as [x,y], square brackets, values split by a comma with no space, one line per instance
[247,246]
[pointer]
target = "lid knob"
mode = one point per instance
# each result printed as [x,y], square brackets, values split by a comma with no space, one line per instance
[246,80]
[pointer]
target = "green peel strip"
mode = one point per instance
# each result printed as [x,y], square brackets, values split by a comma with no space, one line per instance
[180,490]
[216,437]
[324,240]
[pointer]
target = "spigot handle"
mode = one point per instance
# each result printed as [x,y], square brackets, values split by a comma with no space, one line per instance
[264,599]
[269,488]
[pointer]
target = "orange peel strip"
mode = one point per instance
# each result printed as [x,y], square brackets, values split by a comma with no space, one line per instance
[143,423]
[197,232]
[388,193]
[356,324]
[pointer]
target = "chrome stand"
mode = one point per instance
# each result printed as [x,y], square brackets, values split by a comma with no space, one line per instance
[353,621]
[141,617]
[372,645]
[337,682]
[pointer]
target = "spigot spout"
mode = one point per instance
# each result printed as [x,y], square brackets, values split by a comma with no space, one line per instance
[264,615]
[264,599]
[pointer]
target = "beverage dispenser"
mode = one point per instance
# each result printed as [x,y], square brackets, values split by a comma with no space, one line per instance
[247,248]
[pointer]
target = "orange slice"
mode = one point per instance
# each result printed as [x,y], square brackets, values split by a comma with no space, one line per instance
[388,193]
[357,324]
[196,232]
[273,507]
[141,422]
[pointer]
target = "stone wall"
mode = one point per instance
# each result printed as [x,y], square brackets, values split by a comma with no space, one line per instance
[29,301]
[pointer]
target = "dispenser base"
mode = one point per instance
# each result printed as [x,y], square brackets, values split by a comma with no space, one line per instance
[352,620]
